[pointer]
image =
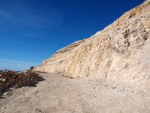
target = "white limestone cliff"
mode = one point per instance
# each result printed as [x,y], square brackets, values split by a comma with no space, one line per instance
[119,52]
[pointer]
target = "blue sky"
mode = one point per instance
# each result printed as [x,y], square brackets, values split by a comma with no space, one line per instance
[33,30]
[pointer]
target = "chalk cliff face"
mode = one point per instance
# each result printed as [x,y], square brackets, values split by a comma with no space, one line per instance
[119,52]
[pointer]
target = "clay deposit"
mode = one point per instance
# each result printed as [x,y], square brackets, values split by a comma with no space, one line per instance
[120,52]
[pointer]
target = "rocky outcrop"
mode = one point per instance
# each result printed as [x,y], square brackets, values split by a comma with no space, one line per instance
[119,52]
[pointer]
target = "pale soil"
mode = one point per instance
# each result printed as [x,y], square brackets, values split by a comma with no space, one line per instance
[58,94]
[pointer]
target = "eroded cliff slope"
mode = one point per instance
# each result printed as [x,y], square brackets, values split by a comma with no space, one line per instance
[119,52]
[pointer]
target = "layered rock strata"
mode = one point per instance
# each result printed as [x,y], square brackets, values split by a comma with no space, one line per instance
[119,52]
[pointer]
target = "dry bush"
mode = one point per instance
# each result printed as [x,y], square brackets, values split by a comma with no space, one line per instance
[31,68]
[12,79]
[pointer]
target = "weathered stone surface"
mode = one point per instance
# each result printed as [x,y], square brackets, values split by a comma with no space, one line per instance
[119,52]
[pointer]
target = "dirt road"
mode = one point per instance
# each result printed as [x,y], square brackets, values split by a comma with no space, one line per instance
[58,94]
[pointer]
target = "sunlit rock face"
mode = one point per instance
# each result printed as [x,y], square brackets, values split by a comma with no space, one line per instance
[119,52]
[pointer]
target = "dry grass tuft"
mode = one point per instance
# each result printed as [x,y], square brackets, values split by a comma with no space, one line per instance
[12,79]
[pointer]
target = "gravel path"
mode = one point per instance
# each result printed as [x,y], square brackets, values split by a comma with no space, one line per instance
[58,94]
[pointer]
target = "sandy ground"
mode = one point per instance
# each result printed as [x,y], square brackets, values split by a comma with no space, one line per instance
[58,94]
